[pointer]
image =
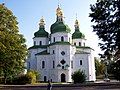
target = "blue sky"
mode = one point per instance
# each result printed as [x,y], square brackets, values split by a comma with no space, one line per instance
[29,12]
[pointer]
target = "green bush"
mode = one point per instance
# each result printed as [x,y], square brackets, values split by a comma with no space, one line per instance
[32,75]
[29,78]
[79,76]
[22,79]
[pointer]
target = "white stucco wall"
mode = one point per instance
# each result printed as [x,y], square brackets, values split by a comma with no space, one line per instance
[58,35]
[45,41]
[82,41]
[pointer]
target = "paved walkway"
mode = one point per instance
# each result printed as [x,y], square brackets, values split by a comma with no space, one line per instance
[98,85]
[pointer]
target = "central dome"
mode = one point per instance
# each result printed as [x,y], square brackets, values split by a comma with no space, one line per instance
[59,27]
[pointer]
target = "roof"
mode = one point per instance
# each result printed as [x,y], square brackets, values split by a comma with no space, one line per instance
[41,33]
[59,27]
[77,34]
[60,43]
[86,47]
[43,53]
[81,52]
[38,46]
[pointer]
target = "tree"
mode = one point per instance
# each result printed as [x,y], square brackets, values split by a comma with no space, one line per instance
[106,17]
[79,76]
[13,49]
[99,67]
[115,69]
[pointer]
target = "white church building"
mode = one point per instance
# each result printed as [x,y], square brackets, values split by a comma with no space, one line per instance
[59,54]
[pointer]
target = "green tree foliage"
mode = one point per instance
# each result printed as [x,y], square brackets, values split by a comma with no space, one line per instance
[106,17]
[115,69]
[12,45]
[79,76]
[99,67]
[34,76]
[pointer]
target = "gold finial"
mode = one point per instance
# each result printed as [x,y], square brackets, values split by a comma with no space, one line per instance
[76,24]
[42,22]
[59,12]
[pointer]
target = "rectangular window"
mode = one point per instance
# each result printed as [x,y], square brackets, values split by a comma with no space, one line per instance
[71,64]
[80,62]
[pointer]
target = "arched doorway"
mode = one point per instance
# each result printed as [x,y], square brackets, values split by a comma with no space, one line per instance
[63,77]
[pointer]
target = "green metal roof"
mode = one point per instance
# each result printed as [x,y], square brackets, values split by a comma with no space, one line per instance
[43,53]
[86,47]
[38,46]
[60,43]
[81,52]
[77,34]
[59,27]
[41,32]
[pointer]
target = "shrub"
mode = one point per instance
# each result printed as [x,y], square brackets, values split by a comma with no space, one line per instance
[32,75]
[79,76]
[22,79]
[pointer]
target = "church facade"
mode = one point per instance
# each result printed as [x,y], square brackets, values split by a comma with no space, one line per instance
[59,54]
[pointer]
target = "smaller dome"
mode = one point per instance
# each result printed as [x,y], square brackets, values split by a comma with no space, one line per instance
[41,32]
[77,34]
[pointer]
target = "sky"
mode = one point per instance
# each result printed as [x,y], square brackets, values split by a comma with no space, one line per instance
[29,13]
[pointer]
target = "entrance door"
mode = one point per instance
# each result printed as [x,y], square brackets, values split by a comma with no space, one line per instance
[63,77]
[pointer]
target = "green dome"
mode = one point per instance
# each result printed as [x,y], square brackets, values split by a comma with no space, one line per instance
[77,34]
[41,33]
[59,27]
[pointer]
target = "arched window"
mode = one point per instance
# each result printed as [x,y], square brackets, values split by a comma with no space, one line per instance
[53,64]
[62,38]
[84,44]
[71,64]
[54,39]
[53,51]
[34,42]
[80,62]
[45,79]
[75,44]
[69,39]
[40,43]
[79,43]
[43,64]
